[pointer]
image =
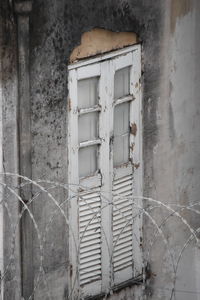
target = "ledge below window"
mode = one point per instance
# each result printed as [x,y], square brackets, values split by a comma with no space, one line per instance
[129,283]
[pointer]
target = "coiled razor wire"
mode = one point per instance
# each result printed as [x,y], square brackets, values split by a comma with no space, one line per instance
[146,207]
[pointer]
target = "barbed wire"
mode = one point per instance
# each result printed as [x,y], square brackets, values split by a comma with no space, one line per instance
[142,207]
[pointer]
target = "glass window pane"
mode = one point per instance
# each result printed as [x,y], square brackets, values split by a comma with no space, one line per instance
[88,92]
[88,160]
[121,150]
[88,126]
[121,134]
[122,83]
[121,118]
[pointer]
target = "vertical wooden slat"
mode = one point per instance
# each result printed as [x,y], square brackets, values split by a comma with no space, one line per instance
[74,181]
[137,157]
[106,94]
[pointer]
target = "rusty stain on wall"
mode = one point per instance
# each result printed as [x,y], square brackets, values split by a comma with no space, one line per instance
[69,104]
[132,146]
[179,8]
[137,165]
[99,41]
[133,129]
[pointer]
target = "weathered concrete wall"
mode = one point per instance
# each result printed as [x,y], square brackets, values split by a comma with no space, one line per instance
[172,170]
[9,98]
[1,169]
[169,36]
[56,28]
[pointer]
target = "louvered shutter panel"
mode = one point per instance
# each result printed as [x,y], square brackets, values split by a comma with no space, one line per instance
[90,236]
[89,200]
[123,226]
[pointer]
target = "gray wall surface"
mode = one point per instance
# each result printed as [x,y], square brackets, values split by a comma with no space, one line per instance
[172,170]
[169,33]
[9,101]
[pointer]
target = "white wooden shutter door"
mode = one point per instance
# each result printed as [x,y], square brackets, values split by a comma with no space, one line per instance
[90,119]
[124,242]
[94,210]
[90,270]
[104,104]
[122,226]
[85,235]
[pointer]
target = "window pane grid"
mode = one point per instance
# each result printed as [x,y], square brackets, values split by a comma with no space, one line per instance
[104,152]
[88,125]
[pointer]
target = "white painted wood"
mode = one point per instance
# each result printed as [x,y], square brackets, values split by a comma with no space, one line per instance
[106,181]
[90,182]
[123,61]
[89,200]
[137,156]
[130,264]
[104,131]
[73,179]
[92,70]
[88,110]
[120,172]
[122,228]
[90,143]
[123,174]
[103,57]
[90,288]
[111,133]
[90,240]
[90,209]
[123,99]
